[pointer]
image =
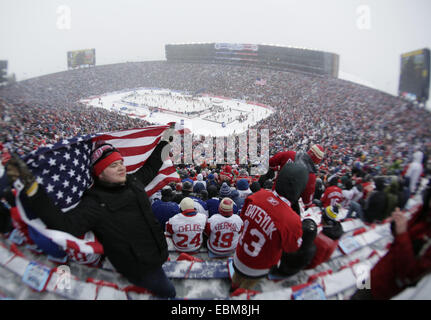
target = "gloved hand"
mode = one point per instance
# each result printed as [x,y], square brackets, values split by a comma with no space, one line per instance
[17,168]
[167,138]
[168,135]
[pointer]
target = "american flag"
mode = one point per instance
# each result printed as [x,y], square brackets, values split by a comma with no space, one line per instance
[63,169]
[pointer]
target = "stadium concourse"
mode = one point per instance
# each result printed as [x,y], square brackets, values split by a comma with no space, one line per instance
[364,132]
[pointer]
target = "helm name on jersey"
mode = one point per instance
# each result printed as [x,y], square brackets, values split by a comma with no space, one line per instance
[190,227]
[261,218]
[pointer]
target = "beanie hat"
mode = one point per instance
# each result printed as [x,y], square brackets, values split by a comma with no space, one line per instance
[198,187]
[255,186]
[224,190]
[242,184]
[267,184]
[187,205]
[234,194]
[316,153]
[167,193]
[211,176]
[212,191]
[204,195]
[187,186]
[102,157]
[292,180]
[331,212]
[225,207]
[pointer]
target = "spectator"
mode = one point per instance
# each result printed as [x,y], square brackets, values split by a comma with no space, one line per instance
[132,239]
[310,159]
[223,229]
[186,191]
[243,188]
[239,202]
[408,258]
[392,194]
[165,208]
[225,190]
[265,213]
[333,194]
[414,171]
[377,202]
[349,193]
[186,228]
[213,200]
[255,187]
[330,226]
[200,179]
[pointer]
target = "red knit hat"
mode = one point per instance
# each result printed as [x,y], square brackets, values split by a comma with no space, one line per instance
[225,207]
[316,153]
[102,157]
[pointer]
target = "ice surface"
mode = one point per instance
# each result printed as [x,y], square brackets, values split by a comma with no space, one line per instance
[138,104]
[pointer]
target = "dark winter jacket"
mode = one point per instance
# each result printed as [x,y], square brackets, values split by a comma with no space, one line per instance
[120,217]
[376,206]
[333,230]
[164,210]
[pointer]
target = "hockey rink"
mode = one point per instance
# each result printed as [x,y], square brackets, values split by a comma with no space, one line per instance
[202,114]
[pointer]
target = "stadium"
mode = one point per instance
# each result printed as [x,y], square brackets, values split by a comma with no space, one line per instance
[217,90]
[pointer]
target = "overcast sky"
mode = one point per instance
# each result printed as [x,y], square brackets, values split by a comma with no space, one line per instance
[369,35]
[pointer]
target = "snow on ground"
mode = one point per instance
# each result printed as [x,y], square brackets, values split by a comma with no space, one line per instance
[203,115]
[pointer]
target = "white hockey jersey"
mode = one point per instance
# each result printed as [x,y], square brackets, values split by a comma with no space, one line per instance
[186,231]
[223,233]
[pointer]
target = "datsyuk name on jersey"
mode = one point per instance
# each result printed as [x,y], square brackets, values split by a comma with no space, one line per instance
[261,218]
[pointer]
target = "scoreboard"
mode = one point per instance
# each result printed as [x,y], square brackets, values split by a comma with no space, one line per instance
[80,58]
[415,75]
[270,56]
[3,71]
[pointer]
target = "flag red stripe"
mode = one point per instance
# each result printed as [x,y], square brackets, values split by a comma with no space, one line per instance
[140,134]
[161,184]
[138,150]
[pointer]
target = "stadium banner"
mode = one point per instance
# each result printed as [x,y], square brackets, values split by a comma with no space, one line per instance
[80,58]
[236,46]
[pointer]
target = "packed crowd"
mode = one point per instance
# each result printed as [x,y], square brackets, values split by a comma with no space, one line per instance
[350,121]
[368,144]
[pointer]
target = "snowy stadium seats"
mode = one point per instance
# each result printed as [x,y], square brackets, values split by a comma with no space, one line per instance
[334,279]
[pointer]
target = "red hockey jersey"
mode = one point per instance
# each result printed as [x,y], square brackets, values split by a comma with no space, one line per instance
[270,227]
[332,196]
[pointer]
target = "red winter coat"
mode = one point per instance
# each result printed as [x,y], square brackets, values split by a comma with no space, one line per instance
[400,267]
[325,247]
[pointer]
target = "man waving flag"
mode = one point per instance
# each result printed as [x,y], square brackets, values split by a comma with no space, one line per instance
[64,171]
